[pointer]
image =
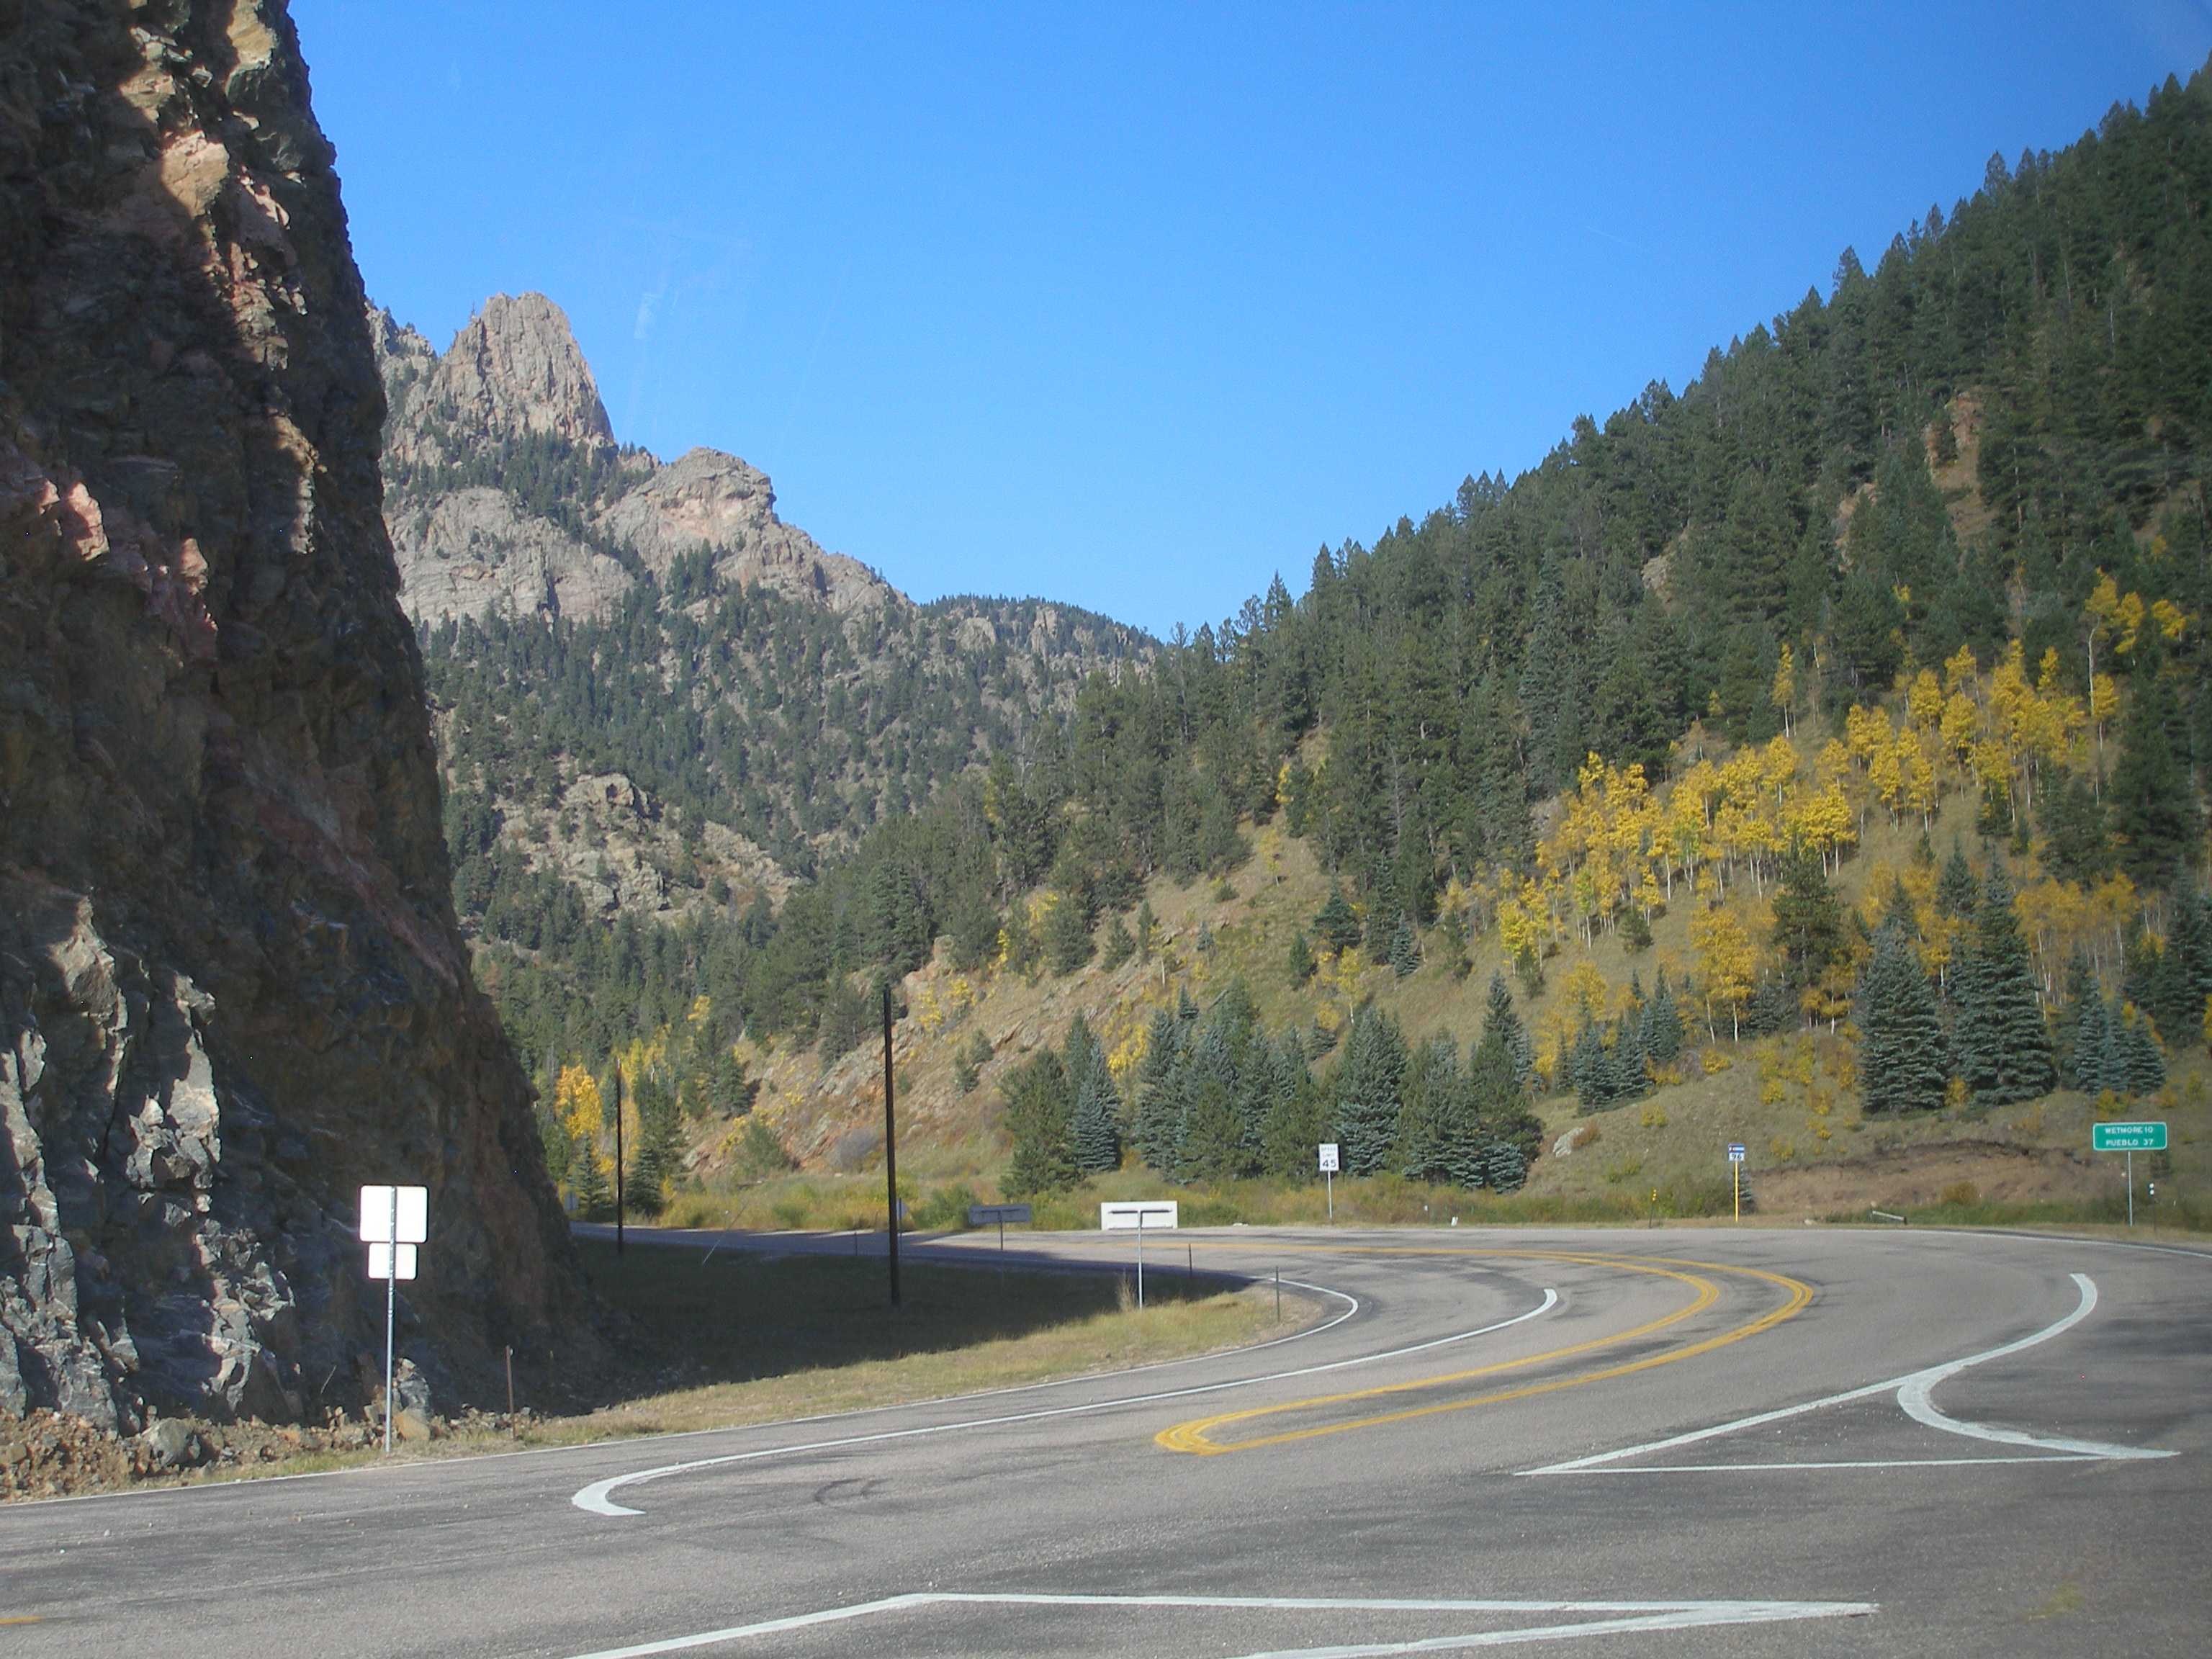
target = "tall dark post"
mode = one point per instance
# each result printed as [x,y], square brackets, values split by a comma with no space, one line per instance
[618,1160]
[890,1151]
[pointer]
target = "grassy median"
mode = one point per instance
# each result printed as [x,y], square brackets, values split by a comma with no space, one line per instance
[744,1338]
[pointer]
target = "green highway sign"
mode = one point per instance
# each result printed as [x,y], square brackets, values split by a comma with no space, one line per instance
[2128,1137]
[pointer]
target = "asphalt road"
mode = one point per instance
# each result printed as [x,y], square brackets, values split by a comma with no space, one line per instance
[1468,1454]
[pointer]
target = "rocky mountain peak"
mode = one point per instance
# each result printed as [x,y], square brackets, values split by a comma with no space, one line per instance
[506,489]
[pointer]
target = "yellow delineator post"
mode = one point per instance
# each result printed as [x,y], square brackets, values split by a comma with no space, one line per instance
[1735,1168]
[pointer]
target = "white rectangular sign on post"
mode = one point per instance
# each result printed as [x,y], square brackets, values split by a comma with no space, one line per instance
[1149,1216]
[393,1221]
[1736,1154]
[377,1216]
[1328,1158]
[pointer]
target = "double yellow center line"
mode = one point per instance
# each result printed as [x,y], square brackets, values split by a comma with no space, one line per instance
[1196,1436]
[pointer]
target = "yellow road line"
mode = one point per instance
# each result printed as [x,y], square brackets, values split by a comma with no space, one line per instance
[1191,1436]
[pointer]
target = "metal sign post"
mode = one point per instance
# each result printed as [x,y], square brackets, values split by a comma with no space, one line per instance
[1121,1217]
[2149,1136]
[393,1221]
[618,1159]
[1329,1160]
[982,1215]
[1735,1168]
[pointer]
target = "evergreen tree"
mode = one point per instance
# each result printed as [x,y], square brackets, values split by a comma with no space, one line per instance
[595,1199]
[2153,810]
[1505,1167]
[2077,844]
[2142,1066]
[1336,925]
[1368,1085]
[1120,945]
[1808,924]
[1956,890]
[1297,1113]
[1440,1130]
[1037,1119]
[1095,1123]
[1301,959]
[2097,1062]
[2082,994]
[1901,1038]
[1158,1119]
[2003,1049]
[1068,943]
[1405,950]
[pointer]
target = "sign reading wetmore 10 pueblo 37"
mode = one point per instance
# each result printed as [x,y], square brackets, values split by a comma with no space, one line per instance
[2128,1137]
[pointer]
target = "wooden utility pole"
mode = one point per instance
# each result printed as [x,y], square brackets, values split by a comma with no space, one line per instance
[891,1152]
[618,1159]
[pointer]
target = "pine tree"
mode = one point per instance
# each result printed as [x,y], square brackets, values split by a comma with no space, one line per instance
[1338,927]
[2097,1062]
[2080,995]
[594,1198]
[1369,1081]
[1808,924]
[2003,1049]
[2153,810]
[1505,1167]
[1159,1092]
[1068,943]
[1121,945]
[1900,1040]
[1405,950]
[2141,1066]
[1956,890]
[1037,1121]
[1301,959]
[1095,1124]
[1437,1127]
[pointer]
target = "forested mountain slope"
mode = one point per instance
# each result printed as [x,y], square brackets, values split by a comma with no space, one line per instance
[1971,474]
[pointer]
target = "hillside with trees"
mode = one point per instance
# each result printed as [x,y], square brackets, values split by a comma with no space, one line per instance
[1916,573]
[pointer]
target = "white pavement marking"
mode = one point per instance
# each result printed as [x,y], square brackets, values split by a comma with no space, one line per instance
[1642,1616]
[597,1499]
[1912,1390]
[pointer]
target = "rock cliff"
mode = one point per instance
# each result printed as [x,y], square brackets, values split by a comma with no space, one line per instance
[509,492]
[230,985]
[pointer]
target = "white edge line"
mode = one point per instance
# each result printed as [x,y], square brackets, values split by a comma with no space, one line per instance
[1912,1395]
[1849,1463]
[597,1499]
[1651,1615]
[248,1484]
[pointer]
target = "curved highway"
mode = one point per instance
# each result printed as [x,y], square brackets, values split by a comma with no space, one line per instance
[1687,1441]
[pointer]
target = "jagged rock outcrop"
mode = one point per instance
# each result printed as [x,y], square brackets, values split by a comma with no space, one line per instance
[508,490]
[230,985]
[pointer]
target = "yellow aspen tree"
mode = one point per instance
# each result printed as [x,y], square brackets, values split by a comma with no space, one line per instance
[1725,965]
[1923,702]
[1785,688]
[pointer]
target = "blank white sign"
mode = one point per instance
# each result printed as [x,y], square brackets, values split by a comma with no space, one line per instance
[1123,1217]
[379,1260]
[414,1226]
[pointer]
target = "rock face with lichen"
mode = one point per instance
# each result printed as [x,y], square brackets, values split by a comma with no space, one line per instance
[231,987]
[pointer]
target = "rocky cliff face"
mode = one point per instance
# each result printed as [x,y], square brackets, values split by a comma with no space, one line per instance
[509,492]
[231,987]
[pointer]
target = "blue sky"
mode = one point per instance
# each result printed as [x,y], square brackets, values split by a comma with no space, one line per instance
[1133,307]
